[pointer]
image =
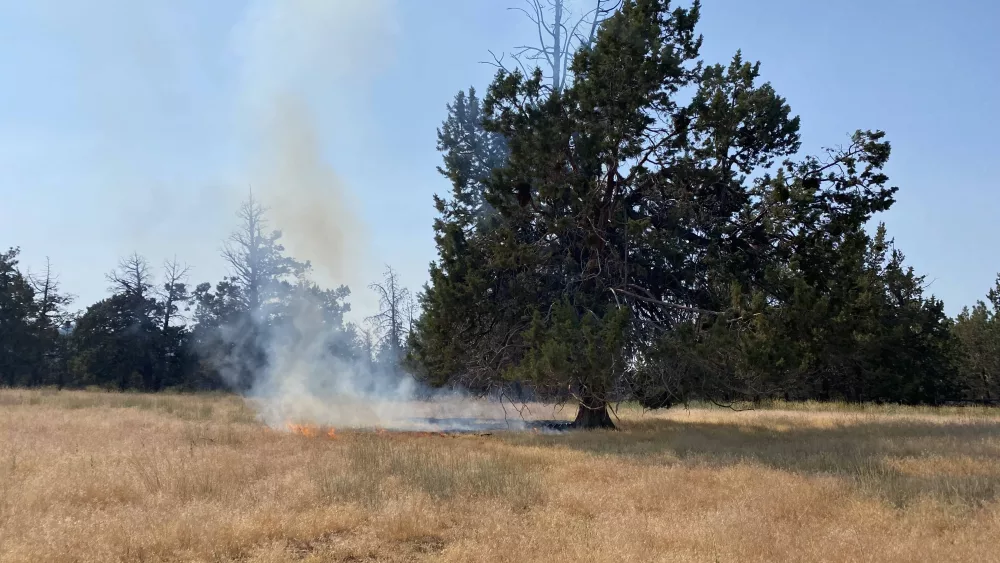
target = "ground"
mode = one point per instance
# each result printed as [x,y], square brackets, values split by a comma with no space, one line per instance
[112,477]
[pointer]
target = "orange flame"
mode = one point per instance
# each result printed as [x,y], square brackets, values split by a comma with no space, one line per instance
[310,430]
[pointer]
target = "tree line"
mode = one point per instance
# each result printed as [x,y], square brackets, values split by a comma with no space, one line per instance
[158,332]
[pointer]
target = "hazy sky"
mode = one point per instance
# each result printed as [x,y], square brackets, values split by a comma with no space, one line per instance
[138,126]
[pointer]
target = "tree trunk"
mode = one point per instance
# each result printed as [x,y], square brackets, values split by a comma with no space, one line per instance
[593,414]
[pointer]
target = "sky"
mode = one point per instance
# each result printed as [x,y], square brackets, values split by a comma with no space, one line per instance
[139,126]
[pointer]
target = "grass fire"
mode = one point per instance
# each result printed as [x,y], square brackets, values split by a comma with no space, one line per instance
[311,430]
[91,476]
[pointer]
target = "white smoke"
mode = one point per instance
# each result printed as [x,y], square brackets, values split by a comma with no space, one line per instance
[305,68]
[310,376]
[307,380]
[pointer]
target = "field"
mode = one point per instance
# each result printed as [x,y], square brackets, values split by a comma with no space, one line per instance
[117,477]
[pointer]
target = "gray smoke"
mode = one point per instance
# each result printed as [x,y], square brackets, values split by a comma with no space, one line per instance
[311,374]
[305,64]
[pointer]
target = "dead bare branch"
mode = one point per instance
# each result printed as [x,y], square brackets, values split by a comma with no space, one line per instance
[560,37]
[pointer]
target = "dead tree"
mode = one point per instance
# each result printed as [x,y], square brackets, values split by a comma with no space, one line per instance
[173,295]
[132,277]
[174,292]
[245,252]
[561,32]
[132,282]
[51,302]
[389,321]
[256,259]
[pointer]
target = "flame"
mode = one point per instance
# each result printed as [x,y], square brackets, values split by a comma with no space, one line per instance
[311,430]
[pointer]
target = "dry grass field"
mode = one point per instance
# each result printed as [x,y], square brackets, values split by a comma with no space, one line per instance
[110,477]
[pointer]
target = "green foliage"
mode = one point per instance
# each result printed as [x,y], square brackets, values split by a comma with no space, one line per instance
[570,347]
[259,304]
[470,155]
[654,232]
[978,332]
[18,311]
[139,338]
[462,275]
[116,342]
[868,334]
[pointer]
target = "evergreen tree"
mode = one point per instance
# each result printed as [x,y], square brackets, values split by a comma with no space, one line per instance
[471,154]
[18,310]
[978,332]
[867,334]
[51,358]
[626,217]
[116,343]
[232,322]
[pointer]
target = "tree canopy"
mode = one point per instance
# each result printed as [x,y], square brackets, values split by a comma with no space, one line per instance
[656,233]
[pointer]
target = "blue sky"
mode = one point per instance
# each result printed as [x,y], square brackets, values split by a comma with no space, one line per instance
[138,126]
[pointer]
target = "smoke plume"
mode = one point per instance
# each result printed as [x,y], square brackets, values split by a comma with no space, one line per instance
[311,373]
[306,66]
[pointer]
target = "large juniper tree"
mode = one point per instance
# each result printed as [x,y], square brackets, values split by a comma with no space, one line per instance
[627,213]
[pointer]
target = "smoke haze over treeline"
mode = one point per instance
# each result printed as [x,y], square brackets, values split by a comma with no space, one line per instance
[170,114]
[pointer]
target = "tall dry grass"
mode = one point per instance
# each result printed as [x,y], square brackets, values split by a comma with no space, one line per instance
[113,477]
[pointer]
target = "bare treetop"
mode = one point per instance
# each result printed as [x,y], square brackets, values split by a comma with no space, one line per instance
[389,321]
[561,32]
[174,291]
[255,256]
[51,300]
[242,250]
[132,277]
